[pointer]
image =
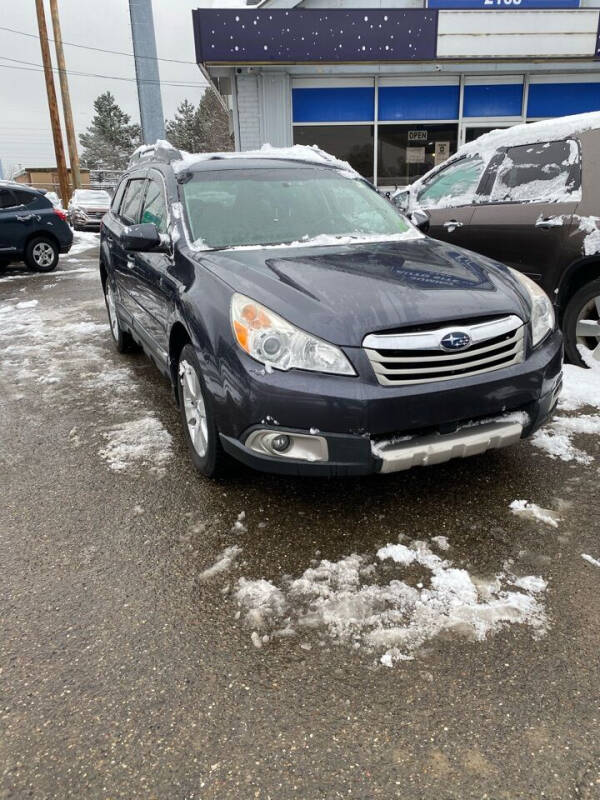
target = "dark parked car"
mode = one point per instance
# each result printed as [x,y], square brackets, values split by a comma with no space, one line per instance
[31,228]
[308,328]
[87,207]
[528,196]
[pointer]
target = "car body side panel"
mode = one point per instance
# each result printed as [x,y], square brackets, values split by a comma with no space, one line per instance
[442,224]
[510,233]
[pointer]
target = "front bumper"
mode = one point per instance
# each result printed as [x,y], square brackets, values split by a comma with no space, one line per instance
[426,423]
[83,221]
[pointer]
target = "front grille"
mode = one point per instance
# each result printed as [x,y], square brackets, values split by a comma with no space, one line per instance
[418,357]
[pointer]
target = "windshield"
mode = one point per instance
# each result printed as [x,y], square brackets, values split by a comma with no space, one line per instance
[232,208]
[89,196]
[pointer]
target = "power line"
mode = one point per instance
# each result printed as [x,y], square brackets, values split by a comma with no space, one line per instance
[100,49]
[33,67]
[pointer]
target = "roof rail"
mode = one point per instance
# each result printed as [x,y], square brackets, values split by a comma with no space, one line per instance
[161,150]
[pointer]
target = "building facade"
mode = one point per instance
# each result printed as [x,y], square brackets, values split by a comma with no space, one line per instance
[395,87]
[47,178]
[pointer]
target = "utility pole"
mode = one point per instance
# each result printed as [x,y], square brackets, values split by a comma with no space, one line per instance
[66,97]
[59,150]
[146,70]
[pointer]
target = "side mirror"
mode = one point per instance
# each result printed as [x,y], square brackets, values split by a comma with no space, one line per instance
[402,201]
[144,238]
[420,219]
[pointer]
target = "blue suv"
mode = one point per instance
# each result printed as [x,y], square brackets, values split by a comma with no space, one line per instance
[31,229]
[308,328]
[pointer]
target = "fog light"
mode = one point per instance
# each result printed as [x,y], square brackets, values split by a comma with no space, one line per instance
[280,443]
[292,445]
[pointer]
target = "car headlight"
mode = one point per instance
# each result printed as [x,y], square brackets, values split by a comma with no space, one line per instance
[276,343]
[542,311]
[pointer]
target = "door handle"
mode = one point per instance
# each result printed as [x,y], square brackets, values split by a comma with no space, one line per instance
[25,217]
[451,224]
[549,222]
[130,262]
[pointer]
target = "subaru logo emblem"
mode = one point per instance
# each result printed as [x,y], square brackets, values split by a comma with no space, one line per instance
[456,340]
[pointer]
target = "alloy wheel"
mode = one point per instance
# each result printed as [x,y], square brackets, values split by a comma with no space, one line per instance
[587,330]
[195,408]
[43,254]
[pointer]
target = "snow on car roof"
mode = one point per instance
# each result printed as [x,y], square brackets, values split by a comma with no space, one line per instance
[299,152]
[181,160]
[531,133]
[546,130]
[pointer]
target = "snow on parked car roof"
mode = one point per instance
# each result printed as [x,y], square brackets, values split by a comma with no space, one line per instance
[546,130]
[526,133]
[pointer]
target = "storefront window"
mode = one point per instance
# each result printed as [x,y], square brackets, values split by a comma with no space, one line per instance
[408,151]
[352,143]
[474,132]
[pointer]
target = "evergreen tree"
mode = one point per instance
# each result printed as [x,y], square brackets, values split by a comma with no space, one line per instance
[185,130]
[204,129]
[215,124]
[110,138]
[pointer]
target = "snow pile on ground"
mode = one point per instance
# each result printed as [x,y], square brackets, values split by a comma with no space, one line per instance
[581,388]
[524,508]
[222,564]
[82,241]
[590,560]
[39,345]
[356,602]
[141,441]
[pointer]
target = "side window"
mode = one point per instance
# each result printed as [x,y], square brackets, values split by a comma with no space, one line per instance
[132,200]
[24,198]
[155,209]
[6,199]
[116,201]
[545,172]
[453,186]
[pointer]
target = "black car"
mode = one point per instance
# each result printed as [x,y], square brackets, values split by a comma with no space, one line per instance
[31,228]
[308,328]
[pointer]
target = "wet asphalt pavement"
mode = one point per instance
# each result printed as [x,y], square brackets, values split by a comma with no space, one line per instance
[124,675]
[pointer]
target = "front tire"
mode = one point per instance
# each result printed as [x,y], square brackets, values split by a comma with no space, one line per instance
[581,323]
[122,339]
[197,417]
[41,254]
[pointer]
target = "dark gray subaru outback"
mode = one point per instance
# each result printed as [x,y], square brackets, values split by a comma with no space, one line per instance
[308,328]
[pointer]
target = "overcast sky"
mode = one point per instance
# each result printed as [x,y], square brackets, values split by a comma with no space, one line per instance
[25,135]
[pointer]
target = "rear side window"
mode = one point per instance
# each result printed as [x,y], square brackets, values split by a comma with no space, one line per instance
[155,209]
[132,201]
[7,199]
[25,198]
[545,172]
[453,186]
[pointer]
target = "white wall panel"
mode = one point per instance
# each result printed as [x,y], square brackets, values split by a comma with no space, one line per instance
[506,34]
[248,109]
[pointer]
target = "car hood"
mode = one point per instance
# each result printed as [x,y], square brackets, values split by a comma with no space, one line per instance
[343,293]
[90,206]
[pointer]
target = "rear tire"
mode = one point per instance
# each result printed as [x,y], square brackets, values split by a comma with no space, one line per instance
[197,417]
[41,254]
[122,339]
[581,322]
